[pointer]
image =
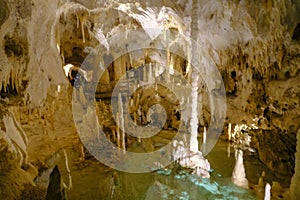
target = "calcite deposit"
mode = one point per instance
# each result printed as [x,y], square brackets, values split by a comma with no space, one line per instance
[254,45]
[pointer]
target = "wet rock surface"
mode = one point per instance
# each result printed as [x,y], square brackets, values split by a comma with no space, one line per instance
[255,46]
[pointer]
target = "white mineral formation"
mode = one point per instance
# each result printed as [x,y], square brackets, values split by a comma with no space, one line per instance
[255,47]
[16,134]
[238,174]
[189,159]
[267,192]
[204,140]
[194,121]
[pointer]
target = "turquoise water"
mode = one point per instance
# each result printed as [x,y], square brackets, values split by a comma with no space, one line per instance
[92,180]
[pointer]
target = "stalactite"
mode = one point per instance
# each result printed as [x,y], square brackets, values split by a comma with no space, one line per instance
[118,130]
[121,121]
[77,20]
[82,23]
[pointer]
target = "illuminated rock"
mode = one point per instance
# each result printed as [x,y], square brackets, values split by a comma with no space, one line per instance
[238,174]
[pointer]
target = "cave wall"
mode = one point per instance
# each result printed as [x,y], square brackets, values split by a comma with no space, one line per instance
[255,46]
[29,59]
[254,43]
[254,49]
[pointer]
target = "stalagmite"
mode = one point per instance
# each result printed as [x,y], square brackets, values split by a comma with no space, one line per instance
[194,113]
[267,192]
[193,160]
[194,78]
[228,150]
[237,34]
[260,182]
[82,154]
[263,174]
[238,174]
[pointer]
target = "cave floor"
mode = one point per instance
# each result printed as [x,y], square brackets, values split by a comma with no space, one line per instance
[89,179]
[92,180]
[84,177]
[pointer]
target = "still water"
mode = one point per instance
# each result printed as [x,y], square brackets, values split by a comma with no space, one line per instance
[89,179]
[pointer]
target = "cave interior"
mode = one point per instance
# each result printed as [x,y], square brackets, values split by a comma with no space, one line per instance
[116,99]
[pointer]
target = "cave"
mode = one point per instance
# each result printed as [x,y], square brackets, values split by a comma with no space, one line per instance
[119,99]
[296,34]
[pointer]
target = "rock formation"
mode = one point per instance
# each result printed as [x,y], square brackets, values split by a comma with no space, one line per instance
[238,174]
[294,182]
[16,171]
[55,189]
[255,46]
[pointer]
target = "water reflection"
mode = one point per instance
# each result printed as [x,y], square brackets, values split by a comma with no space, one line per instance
[91,180]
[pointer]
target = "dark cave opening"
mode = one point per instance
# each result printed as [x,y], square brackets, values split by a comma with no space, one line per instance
[296,33]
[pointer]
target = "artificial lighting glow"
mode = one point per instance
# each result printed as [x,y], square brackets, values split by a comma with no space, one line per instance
[67,68]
